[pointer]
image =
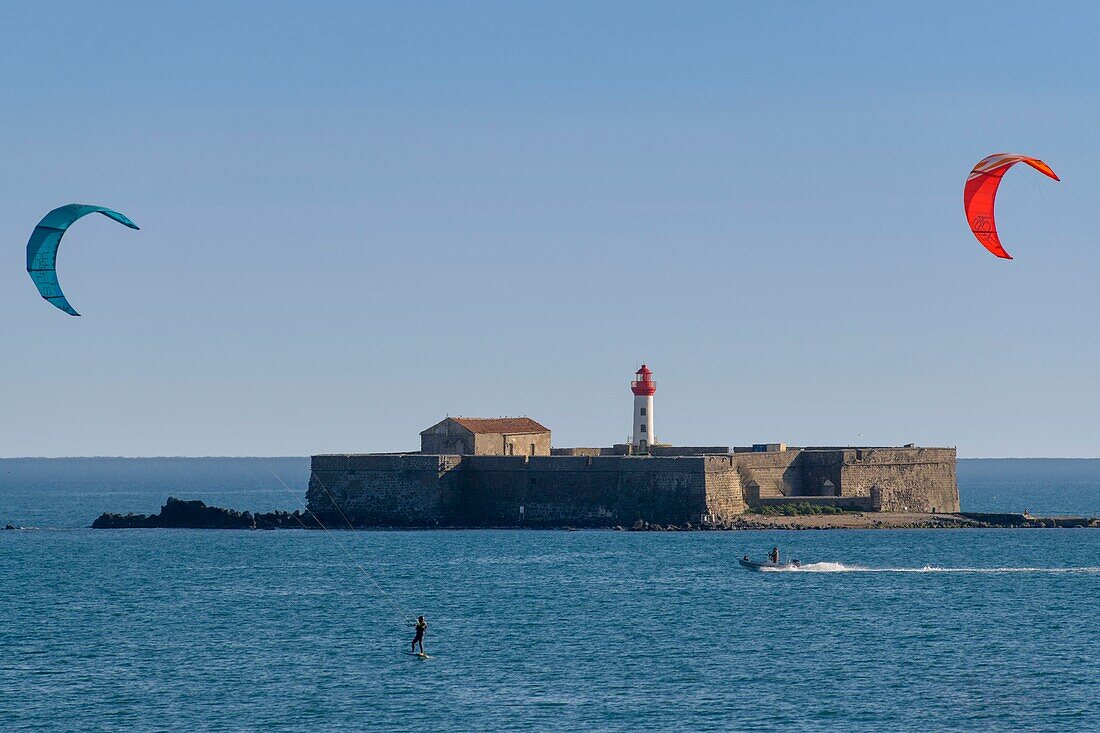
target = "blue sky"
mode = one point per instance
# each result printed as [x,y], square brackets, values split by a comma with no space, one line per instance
[357,218]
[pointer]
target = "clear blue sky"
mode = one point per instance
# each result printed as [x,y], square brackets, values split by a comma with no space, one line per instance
[357,218]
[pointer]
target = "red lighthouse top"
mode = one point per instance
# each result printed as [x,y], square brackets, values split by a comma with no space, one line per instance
[643,385]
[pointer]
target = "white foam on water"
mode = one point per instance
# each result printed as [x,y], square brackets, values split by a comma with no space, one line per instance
[836,567]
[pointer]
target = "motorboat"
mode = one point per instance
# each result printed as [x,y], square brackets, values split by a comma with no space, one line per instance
[748,564]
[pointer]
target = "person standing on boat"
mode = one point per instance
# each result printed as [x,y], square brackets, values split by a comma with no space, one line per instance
[774,555]
[421,627]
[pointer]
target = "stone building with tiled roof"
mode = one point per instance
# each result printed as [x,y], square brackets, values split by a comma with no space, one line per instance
[480,436]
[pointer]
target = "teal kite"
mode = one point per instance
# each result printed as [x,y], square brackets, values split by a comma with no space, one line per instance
[43,244]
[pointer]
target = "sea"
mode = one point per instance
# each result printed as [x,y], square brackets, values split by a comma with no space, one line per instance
[294,630]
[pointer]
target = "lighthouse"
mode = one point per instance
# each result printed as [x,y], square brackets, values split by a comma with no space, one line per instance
[643,388]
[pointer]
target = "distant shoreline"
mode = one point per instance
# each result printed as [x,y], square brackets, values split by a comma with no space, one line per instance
[306,458]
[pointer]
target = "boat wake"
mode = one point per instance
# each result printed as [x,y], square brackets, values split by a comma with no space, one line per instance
[836,567]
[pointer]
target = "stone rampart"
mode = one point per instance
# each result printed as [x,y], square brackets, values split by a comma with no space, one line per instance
[892,479]
[769,474]
[605,490]
[903,479]
[820,473]
[725,494]
[398,489]
[429,490]
[595,490]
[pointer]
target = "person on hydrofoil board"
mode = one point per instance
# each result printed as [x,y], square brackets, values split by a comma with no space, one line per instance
[421,627]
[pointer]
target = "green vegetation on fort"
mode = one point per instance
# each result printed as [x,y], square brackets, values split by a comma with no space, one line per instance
[794,510]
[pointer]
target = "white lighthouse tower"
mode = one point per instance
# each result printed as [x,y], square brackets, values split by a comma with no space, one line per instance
[643,388]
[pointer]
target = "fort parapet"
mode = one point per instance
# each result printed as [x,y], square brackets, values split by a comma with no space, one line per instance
[605,487]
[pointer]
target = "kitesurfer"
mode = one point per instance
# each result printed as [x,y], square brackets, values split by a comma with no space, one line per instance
[774,555]
[421,627]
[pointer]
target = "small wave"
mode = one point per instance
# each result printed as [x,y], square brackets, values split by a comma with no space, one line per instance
[836,567]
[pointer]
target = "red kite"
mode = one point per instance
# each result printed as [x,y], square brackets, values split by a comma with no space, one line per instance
[981,193]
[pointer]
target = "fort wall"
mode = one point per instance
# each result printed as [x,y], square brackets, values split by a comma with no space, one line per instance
[769,474]
[596,490]
[593,489]
[903,479]
[398,489]
[725,496]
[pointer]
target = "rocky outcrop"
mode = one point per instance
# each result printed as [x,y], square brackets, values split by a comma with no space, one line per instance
[180,514]
[1026,520]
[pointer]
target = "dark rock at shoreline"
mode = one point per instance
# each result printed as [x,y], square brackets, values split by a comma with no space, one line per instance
[177,513]
[180,514]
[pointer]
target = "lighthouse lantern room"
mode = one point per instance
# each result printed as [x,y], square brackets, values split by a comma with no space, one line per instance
[643,388]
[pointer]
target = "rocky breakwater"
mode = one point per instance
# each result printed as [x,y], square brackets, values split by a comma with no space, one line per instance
[985,519]
[847,520]
[180,514]
[876,520]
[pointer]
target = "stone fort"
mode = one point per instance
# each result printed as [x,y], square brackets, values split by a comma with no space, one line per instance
[503,472]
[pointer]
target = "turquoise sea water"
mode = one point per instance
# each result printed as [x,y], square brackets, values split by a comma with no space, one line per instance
[962,630]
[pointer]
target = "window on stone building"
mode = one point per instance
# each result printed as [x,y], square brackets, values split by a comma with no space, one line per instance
[642,428]
[532,449]
[642,413]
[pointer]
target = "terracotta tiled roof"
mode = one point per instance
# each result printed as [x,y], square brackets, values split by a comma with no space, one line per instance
[500,425]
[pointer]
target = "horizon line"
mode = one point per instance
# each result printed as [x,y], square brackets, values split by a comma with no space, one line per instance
[258,457]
